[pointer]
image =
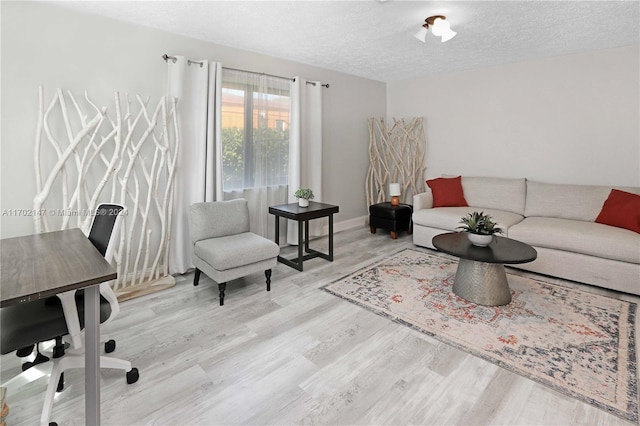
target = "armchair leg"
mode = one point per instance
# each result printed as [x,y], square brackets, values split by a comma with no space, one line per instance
[196,277]
[267,274]
[221,288]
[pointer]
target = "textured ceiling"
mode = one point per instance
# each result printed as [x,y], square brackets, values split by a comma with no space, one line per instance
[374,39]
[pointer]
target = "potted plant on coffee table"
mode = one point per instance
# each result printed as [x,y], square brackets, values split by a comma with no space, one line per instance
[480,228]
[303,195]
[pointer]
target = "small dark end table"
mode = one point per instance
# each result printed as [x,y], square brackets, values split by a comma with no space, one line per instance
[391,218]
[481,277]
[303,215]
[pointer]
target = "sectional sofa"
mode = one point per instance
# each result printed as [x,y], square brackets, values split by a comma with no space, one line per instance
[558,220]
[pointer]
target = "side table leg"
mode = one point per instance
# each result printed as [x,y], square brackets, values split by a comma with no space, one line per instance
[482,283]
[306,236]
[300,245]
[331,237]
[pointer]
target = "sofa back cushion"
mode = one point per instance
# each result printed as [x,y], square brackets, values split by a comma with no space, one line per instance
[577,202]
[495,193]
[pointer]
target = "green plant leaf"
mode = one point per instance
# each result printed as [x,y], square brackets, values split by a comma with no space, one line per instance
[479,223]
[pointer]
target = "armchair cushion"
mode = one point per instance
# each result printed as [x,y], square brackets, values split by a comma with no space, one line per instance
[234,251]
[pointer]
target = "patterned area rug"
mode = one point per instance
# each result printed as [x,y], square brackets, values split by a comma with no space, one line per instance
[578,343]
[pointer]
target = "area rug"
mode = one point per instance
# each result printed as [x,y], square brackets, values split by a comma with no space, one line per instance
[576,342]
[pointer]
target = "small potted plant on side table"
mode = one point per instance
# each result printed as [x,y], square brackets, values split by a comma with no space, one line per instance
[303,195]
[480,228]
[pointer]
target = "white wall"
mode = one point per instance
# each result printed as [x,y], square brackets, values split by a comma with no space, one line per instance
[43,44]
[569,119]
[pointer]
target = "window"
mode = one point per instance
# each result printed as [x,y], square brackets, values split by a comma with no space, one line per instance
[255,130]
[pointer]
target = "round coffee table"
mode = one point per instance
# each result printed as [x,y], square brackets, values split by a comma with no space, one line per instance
[481,277]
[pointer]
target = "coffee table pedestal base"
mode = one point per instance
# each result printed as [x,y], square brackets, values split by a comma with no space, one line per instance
[482,283]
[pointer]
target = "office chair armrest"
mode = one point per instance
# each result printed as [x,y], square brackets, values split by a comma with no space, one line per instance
[68,300]
[107,292]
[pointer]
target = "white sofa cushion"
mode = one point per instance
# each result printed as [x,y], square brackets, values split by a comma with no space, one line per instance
[495,193]
[579,202]
[589,238]
[448,218]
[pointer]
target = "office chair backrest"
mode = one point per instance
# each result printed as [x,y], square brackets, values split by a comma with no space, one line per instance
[106,224]
[103,235]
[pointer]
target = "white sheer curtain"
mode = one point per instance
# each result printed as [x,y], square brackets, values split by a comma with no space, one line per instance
[255,121]
[196,84]
[305,148]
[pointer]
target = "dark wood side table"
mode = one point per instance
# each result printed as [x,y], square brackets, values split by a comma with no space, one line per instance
[480,277]
[43,265]
[303,215]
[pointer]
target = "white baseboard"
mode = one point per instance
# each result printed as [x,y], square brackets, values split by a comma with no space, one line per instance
[147,287]
[356,222]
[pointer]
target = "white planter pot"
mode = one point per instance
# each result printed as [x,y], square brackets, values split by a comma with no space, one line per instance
[480,240]
[302,202]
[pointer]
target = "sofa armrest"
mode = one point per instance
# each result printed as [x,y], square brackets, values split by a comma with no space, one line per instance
[424,200]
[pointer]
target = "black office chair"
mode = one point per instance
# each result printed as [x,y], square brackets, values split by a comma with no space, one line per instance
[27,324]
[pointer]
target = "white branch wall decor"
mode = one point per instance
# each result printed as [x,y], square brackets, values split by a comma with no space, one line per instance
[396,154]
[85,156]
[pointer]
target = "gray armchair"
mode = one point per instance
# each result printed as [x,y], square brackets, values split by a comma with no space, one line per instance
[224,248]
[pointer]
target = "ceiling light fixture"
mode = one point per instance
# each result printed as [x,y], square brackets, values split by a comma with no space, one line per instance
[439,27]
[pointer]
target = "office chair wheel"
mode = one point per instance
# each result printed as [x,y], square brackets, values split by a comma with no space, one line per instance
[26,351]
[132,376]
[60,387]
[109,346]
[39,359]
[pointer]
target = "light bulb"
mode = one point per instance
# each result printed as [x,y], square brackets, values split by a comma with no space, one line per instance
[440,26]
[448,35]
[421,35]
[443,29]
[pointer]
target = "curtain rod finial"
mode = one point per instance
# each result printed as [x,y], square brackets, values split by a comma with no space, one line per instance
[167,57]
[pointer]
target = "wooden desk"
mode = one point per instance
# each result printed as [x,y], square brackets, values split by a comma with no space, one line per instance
[303,215]
[38,266]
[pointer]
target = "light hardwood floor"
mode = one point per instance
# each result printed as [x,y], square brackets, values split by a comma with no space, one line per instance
[295,355]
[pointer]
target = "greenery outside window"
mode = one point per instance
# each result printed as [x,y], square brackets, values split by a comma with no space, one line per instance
[255,130]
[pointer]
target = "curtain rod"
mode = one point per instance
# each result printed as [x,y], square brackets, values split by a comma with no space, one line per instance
[189,62]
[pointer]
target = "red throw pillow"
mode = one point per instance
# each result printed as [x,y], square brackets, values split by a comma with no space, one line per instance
[447,192]
[621,209]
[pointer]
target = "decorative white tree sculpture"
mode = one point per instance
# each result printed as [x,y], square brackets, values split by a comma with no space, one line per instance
[396,154]
[86,158]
